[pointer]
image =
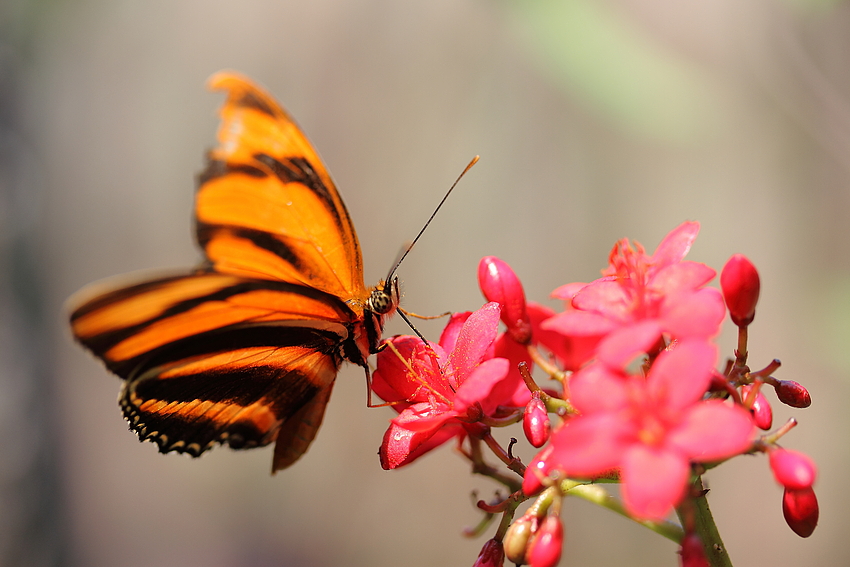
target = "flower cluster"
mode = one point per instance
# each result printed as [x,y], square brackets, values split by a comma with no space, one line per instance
[634,398]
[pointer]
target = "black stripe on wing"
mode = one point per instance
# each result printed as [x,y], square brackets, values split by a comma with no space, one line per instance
[233,338]
[194,412]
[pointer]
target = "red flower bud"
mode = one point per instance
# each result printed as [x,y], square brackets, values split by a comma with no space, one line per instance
[492,555]
[792,394]
[538,469]
[545,548]
[761,410]
[800,508]
[499,283]
[792,469]
[693,552]
[740,283]
[517,537]
[535,421]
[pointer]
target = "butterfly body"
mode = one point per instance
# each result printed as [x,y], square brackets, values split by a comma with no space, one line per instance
[244,350]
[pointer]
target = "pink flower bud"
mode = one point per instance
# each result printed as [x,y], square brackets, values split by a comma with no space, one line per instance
[499,283]
[517,537]
[792,469]
[492,555]
[535,421]
[740,283]
[800,508]
[538,469]
[693,552]
[545,548]
[761,411]
[792,394]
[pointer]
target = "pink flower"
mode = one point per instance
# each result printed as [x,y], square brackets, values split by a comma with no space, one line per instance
[651,428]
[641,296]
[446,387]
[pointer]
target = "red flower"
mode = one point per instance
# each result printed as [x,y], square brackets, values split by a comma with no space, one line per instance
[650,428]
[445,387]
[641,296]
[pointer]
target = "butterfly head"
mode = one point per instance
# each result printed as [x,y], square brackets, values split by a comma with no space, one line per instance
[384,298]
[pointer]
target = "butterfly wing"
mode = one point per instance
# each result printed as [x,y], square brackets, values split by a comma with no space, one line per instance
[244,350]
[215,358]
[266,206]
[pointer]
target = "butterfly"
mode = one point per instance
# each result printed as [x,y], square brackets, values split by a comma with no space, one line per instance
[244,349]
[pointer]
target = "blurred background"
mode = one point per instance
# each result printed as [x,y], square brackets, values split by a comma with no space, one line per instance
[594,119]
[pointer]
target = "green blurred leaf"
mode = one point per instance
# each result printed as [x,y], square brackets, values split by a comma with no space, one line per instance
[618,70]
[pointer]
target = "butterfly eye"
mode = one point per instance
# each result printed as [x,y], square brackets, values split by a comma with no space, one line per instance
[384,298]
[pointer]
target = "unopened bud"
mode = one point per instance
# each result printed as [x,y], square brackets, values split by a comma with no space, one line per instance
[535,472]
[761,411]
[545,548]
[792,394]
[517,537]
[499,283]
[801,511]
[535,421]
[792,469]
[740,283]
[492,555]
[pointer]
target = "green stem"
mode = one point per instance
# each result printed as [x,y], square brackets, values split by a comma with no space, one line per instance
[598,495]
[706,528]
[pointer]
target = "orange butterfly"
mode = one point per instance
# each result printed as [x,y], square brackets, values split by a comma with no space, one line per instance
[244,350]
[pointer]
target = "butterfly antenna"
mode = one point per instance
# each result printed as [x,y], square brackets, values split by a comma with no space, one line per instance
[446,196]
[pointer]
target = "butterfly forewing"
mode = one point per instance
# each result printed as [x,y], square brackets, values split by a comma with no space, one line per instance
[266,206]
[245,349]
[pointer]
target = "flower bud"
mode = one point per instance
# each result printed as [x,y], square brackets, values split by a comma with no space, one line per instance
[492,555]
[545,548]
[499,283]
[800,508]
[740,283]
[517,537]
[535,472]
[693,552]
[535,421]
[792,394]
[792,469]
[761,411]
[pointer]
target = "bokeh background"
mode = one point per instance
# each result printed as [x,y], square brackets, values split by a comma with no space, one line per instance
[595,120]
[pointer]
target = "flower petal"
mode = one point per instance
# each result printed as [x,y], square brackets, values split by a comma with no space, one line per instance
[654,481]
[693,314]
[676,244]
[391,379]
[596,388]
[711,431]
[402,446]
[605,296]
[683,276]
[622,346]
[679,377]
[474,339]
[590,444]
[479,384]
